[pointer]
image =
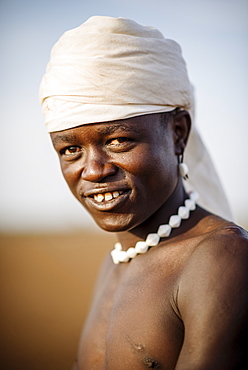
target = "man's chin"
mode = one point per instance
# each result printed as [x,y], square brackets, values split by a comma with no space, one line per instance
[114,224]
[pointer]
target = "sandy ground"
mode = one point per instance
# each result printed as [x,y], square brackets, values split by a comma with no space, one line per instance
[46,283]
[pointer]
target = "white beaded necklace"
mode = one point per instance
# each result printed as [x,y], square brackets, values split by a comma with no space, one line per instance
[118,255]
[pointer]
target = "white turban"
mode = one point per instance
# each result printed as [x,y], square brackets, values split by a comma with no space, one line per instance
[109,69]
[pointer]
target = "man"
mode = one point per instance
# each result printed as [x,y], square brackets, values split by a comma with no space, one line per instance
[172,294]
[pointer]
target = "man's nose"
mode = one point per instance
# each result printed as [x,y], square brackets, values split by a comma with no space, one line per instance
[97,166]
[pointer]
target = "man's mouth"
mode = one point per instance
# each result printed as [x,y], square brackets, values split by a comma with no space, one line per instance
[104,197]
[106,200]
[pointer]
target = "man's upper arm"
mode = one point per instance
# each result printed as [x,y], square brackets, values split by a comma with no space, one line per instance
[213,302]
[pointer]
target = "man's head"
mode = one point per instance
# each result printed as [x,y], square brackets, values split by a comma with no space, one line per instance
[123,172]
[111,69]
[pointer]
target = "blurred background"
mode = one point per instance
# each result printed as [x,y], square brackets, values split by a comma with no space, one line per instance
[50,248]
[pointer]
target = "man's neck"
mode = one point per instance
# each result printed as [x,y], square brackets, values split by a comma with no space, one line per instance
[161,216]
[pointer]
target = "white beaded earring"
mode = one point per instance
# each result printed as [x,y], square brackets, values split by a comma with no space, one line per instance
[183,168]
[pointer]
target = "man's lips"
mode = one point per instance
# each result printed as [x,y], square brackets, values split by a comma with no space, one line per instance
[106,200]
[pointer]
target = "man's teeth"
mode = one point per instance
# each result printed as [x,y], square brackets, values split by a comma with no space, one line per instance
[106,196]
[99,197]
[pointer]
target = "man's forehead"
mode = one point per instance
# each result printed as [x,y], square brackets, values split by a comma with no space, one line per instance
[134,125]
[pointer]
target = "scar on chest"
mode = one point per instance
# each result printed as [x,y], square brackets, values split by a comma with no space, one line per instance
[140,349]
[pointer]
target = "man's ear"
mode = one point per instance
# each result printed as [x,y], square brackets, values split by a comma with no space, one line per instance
[181,129]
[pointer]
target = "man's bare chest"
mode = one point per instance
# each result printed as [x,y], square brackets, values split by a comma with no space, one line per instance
[132,324]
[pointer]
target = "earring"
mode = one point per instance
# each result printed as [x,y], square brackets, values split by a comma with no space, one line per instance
[183,168]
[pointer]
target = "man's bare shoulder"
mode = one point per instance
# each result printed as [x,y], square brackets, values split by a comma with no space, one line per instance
[220,238]
[213,299]
[211,244]
[215,277]
[219,246]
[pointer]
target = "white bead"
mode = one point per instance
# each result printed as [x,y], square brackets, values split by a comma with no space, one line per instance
[175,221]
[131,252]
[194,196]
[122,255]
[118,246]
[164,230]
[141,247]
[114,254]
[152,239]
[184,170]
[190,204]
[183,212]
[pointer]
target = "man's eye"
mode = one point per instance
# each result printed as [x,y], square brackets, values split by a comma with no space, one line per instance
[118,141]
[70,150]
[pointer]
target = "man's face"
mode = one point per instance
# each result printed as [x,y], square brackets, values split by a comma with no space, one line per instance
[122,172]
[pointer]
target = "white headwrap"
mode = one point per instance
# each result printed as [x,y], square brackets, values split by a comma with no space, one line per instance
[109,69]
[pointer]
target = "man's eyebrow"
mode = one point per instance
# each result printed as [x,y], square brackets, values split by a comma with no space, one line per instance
[63,138]
[115,127]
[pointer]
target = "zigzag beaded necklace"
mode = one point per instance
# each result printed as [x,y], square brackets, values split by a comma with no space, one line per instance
[141,247]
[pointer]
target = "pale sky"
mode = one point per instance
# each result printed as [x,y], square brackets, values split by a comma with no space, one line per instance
[213,36]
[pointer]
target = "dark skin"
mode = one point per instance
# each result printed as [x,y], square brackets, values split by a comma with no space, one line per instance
[184,303]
